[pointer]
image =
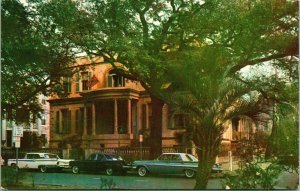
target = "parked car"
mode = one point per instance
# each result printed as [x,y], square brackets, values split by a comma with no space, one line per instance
[100,162]
[41,161]
[171,163]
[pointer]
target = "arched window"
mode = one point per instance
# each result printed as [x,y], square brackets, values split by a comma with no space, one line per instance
[115,80]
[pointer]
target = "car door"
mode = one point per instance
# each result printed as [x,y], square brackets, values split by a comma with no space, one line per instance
[89,164]
[175,165]
[28,162]
[100,162]
[160,165]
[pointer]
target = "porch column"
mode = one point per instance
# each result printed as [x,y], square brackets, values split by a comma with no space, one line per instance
[73,121]
[60,121]
[94,118]
[129,116]
[147,116]
[85,120]
[116,116]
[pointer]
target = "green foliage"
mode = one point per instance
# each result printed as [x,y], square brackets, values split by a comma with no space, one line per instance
[34,57]
[254,176]
[9,176]
[287,137]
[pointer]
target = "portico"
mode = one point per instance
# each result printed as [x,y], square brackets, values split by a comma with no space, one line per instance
[108,115]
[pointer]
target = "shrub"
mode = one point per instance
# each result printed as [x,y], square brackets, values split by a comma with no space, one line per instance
[9,176]
[107,183]
[253,176]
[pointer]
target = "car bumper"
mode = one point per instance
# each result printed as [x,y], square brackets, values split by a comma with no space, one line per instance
[129,167]
[64,166]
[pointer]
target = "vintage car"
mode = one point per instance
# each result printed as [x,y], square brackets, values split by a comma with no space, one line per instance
[100,162]
[41,161]
[171,163]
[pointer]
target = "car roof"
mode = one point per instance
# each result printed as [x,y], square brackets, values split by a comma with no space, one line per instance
[176,153]
[42,153]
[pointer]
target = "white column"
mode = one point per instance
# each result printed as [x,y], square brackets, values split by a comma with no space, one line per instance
[73,121]
[3,129]
[115,116]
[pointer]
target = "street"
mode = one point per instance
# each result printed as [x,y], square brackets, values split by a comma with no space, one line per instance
[93,181]
[68,180]
[130,181]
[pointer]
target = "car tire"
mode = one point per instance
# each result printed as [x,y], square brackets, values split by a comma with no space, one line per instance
[189,173]
[109,171]
[75,169]
[43,169]
[142,171]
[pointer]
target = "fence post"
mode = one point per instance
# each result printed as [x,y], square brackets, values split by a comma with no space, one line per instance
[230,160]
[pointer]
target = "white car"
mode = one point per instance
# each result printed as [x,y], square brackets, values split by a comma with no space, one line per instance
[41,161]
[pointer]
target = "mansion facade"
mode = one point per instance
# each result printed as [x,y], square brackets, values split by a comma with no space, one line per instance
[105,110]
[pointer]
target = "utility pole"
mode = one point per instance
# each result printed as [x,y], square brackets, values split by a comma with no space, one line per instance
[141,144]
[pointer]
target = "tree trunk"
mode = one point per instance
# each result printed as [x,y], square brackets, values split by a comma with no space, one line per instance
[156,127]
[206,158]
[271,144]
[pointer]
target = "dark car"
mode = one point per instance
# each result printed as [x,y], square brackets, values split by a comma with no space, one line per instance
[99,162]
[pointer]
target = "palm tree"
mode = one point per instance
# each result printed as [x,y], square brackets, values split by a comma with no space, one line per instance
[211,98]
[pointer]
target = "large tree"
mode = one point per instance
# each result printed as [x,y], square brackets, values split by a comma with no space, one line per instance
[35,55]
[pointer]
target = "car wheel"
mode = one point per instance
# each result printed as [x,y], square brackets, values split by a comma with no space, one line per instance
[75,169]
[43,169]
[189,173]
[109,171]
[142,171]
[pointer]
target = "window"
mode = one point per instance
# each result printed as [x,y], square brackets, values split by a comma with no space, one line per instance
[57,122]
[79,120]
[165,157]
[92,157]
[77,82]
[51,156]
[179,121]
[43,101]
[66,121]
[100,157]
[43,118]
[115,80]
[33,156]
[85,79]
[67,84]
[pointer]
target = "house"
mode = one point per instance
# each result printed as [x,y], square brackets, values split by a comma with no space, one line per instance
[104,110]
